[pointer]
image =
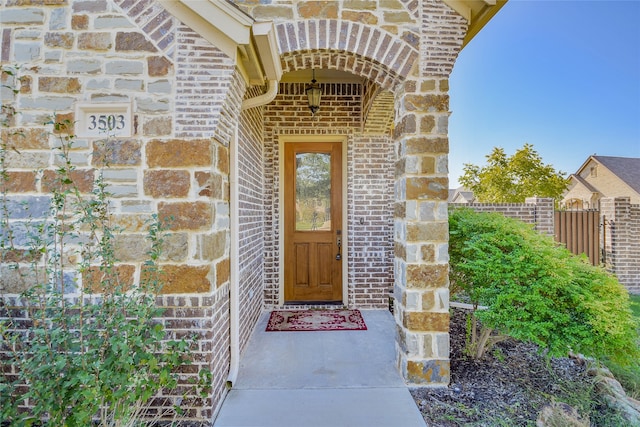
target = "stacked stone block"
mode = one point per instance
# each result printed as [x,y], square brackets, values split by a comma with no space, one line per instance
[421,232]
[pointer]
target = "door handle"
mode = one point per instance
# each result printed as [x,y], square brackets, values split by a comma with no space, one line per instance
[339,243]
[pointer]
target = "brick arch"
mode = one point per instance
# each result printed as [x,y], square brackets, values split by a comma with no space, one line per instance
[376,73]
[377,90]
[379,113]
[412,6]
[154,21]
[350,46]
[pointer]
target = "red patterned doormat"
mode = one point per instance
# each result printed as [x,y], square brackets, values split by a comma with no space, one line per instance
[316,320]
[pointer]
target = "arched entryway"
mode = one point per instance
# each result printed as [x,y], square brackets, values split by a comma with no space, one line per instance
[394,125]
[406,53]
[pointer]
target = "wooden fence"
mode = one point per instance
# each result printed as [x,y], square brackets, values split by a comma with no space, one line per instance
[580,232]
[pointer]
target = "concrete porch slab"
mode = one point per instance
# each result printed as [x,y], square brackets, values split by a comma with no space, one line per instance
[321,379]
[361,407]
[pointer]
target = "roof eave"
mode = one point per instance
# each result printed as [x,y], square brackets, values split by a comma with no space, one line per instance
[476,12]
[251,45]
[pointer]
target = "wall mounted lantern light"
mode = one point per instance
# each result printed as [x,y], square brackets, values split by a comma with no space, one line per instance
[313,94]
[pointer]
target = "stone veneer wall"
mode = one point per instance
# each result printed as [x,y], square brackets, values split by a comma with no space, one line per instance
[421,235]
[176,163]
[621,240]
[421,280]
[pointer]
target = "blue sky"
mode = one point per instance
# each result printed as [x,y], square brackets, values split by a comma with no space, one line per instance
[563,76]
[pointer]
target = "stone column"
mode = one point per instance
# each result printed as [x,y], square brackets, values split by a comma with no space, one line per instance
[421,287]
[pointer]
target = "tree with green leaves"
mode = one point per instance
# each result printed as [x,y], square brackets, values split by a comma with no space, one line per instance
[512,179]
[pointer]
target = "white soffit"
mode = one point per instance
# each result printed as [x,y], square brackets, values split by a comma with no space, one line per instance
[217,21]
[251,45]
[264,35]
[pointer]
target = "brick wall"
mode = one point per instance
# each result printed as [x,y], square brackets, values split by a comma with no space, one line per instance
[441,38]
[535,210]
[205,317]
[370,215]
[621,240]
[250,182]
[204,76]
[186,96]
[386,32]
[369,188]
[289,114]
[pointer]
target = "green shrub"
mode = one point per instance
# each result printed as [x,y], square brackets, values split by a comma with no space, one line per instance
[629,375]
[635,306]
[537,291]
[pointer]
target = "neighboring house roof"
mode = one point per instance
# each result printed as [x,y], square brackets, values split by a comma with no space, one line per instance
[461,195]
[626,168]
[582,181]
[622,179]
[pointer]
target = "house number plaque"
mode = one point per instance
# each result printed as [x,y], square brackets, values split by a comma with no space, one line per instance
[103,120]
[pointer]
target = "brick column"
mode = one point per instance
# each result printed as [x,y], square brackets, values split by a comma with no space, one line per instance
[421,232]
[544,218]
[621,244]
[609,218]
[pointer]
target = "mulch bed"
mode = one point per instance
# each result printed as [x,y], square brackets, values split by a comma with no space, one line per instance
[508,386]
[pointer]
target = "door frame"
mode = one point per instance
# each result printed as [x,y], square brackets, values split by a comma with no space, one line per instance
[343,140]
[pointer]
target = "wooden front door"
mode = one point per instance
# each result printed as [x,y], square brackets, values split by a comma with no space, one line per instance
[313,222]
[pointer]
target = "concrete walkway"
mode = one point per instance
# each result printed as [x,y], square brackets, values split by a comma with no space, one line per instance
[321,379]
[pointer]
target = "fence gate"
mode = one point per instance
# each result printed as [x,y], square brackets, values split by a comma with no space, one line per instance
[580,232]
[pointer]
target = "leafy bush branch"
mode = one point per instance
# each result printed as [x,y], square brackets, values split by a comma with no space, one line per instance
[536,291]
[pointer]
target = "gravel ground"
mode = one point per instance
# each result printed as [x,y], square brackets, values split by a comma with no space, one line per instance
[507,387]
